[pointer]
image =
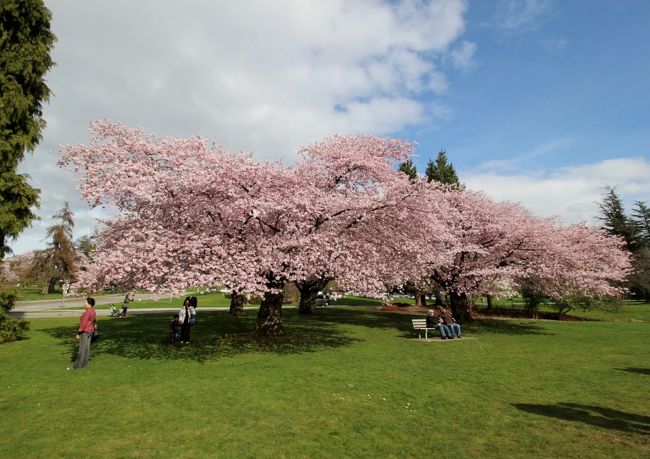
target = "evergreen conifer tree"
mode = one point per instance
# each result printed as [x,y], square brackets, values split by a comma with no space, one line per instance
[442,171]
[25,45]
[614,220]
[409,169]
[641,222]
[59,261]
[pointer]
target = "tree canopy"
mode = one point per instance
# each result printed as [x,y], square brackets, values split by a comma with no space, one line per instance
[441,170]
[409,169]
[58,262]
[640,221]
[614,220]
[25,46]
[190,214]
[634,229]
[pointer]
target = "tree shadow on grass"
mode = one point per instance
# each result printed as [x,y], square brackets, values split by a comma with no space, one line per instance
[402,322]
[365,318]
[216,335]
[506,327]
[593,415]
[641,371]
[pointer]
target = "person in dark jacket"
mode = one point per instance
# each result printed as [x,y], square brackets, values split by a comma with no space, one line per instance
[434,321]
[185,317]
[173,329]
[450,322]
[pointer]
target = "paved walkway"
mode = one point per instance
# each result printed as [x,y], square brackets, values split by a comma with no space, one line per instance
[74,302]
[64,307]
[106,312]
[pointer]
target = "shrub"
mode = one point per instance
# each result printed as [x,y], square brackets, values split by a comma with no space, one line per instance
[10,329]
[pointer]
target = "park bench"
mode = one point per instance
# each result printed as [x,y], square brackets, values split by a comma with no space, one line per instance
[419,325]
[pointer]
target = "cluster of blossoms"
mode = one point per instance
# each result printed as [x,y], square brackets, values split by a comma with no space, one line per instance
[190,213]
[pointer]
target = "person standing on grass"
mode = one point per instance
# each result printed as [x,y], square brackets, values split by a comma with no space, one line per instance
[173,329]
[185,317]
[194,303]
[85,334]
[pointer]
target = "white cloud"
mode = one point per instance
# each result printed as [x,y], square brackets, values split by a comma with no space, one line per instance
[463,56]
[515,15]
[533,155]
[252,75]
[571,193]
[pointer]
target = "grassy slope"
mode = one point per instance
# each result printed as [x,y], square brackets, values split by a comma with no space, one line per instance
[349,382]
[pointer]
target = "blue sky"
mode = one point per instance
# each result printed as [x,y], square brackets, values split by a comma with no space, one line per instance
[569,86]
[541,102]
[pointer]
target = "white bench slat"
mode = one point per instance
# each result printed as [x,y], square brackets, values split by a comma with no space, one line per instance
[419,325]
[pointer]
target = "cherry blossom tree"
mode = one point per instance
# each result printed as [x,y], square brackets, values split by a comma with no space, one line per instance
[578,261]
[490,241]
[190,214]
[501,244]
[365,211]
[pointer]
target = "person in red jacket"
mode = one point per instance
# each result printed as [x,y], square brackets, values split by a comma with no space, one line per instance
[86,328]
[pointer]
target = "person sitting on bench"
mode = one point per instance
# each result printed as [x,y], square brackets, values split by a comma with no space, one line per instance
[450,323]
[434,321]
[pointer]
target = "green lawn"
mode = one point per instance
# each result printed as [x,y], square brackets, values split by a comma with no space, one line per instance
[31,293]
[349,382]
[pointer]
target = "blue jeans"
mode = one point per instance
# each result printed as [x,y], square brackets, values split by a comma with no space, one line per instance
[455,329]
[444,330]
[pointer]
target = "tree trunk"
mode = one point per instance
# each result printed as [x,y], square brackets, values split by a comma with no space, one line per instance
[49,286]
[269,317]
[490,304]
[460,306]
[438,295]
[237,302]
[420,299]
[308,292]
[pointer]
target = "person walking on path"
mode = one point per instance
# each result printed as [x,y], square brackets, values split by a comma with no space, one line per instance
[125,304]
[85,334]
[185,317]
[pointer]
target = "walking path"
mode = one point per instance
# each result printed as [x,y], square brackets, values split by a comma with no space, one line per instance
[34,314]
[75,302]
[64,307]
